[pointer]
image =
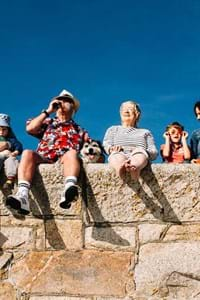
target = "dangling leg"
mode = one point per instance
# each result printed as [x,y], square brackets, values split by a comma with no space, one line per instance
[117,161]
[71,172]
[137,162]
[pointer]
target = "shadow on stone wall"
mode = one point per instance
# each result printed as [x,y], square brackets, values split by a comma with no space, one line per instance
[111,236]
[41,209]
[164,211]
[3,239]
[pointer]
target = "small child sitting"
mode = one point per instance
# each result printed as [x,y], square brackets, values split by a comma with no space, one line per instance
[175,149]
[10,148]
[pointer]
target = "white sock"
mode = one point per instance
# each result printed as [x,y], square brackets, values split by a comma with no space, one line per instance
[69,181]
[24,187]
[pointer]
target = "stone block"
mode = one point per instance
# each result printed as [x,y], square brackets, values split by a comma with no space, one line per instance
[164,193]
[85,273]
[64,234]
[111,237]
[151,232]
[168,270]
[22,234]
[7,291]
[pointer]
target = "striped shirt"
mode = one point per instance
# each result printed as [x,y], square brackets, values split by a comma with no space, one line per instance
[129,137]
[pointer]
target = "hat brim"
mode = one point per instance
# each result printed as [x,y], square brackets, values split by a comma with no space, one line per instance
[4,123]
[76,102]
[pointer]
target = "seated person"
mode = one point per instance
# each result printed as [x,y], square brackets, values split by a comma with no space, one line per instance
[60,139]
[129,148]
[195,138]
[10,148]
[175,149]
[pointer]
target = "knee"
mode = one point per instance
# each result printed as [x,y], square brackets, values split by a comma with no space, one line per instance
[28,155]
[70,155]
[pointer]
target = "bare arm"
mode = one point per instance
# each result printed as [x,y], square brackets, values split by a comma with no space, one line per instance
[166,146]
[4,145]
[34,126]
[186,150]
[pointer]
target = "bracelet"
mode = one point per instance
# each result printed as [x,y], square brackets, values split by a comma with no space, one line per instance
[45,112]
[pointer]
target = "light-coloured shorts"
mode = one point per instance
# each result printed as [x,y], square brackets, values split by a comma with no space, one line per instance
[128,152]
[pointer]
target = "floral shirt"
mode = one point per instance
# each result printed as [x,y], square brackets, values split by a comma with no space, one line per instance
[57,137]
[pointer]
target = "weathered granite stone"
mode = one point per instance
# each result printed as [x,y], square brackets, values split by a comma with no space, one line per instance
[73,273]
[119,241]
[182,233]
[108,237]
[165,192]
[45,193]
[22,234]
[7,291]
[151,232]
[70,234]
[160,264]
[59,298]
[5,260]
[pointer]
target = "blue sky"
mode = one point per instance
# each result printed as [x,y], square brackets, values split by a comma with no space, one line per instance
[104,52]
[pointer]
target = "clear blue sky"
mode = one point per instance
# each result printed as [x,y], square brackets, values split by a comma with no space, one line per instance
[104,52]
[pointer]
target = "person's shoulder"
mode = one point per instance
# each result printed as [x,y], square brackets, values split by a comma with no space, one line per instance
[114,127]
[196,131]
[144,130]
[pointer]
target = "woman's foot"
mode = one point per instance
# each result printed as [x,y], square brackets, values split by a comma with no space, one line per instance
[122,171]
[133,170]
[135,173]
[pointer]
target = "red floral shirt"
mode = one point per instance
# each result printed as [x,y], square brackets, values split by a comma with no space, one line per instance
[58,137]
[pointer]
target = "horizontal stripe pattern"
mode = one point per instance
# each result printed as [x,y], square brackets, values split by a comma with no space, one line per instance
[129,137]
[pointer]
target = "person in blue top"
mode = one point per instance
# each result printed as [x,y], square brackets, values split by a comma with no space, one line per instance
[195,137]
[10,148]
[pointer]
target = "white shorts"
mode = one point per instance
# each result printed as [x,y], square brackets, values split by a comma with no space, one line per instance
[128,152]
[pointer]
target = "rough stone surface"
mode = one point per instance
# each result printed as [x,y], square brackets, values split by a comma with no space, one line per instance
[119,241]
[118,237]
[75,273]
[169,269]
[7,291]
[64,234]
[164,192]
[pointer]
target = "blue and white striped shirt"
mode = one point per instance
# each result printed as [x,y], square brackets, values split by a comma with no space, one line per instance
[129,137]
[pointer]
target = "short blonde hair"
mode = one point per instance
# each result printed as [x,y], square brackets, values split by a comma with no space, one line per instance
[136,108]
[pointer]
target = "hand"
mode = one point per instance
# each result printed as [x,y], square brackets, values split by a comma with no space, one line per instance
[115,148]
[53,106]
[195,161]
[14,153]
[166,135]
[184,134]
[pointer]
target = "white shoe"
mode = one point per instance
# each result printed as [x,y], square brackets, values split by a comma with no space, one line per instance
[69,195]
[19,202]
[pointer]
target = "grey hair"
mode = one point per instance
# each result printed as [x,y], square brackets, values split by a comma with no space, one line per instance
[136,108]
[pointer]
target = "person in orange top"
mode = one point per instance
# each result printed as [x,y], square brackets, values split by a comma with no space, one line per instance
[175,149]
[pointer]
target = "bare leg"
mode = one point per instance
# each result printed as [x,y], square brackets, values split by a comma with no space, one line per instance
[71,163]
[137,162]
[30,159]
[117,161]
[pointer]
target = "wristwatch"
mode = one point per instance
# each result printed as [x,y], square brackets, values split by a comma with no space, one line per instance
[45,112]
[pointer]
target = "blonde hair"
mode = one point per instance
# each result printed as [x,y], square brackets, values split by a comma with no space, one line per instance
[136,108]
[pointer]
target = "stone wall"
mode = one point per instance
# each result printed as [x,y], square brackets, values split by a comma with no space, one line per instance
[120,240]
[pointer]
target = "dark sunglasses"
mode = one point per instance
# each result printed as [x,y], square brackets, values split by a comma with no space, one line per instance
[66,99]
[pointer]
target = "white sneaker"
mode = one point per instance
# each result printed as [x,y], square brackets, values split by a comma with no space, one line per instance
[69,195]
[19,202]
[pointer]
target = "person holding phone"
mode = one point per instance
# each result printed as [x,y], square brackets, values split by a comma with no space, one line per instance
[175,149]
